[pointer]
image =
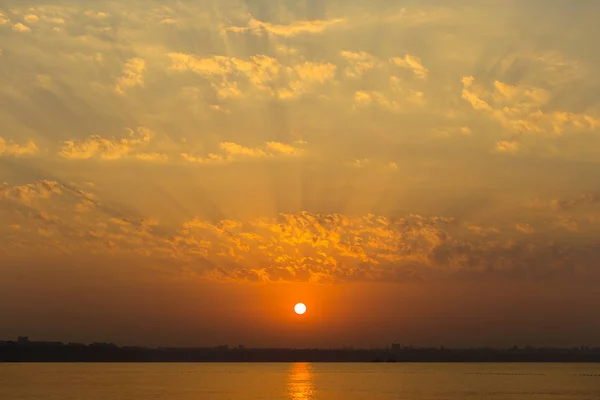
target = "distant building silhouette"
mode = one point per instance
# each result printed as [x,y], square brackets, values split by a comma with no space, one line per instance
[24,350]
[23,340]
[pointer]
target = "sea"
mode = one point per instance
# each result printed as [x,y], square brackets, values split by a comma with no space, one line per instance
[299,381]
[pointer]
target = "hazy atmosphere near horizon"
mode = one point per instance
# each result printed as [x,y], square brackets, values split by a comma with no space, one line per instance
[184,172]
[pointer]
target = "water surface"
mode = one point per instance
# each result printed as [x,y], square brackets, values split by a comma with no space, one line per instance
[326,381]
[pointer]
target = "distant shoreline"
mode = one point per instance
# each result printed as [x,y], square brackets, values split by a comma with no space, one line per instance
[24,350]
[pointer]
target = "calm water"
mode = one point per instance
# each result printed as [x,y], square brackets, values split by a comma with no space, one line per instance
[298,381]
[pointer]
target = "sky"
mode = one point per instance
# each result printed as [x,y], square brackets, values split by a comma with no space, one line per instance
[183,172]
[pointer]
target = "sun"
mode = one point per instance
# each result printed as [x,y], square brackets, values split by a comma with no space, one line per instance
[300,308]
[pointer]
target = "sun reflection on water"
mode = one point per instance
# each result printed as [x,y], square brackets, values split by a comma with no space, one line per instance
[300,382]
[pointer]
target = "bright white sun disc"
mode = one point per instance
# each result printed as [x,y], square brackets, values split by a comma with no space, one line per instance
[300,308]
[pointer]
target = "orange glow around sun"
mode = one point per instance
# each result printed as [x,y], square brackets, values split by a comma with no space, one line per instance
[300,308]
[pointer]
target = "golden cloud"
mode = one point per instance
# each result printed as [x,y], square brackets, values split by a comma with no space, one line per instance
[31,18]
[520,109]
[397,101]
[508,146]
[112,148]
[9,148]
[334,248]
[133,75]
[231,151]
[412,63]
[19,27]
[360,63]
[96,14]
[525,228]
[25,194]
[366,162]
[292,247]
[263,73]
[257,27]
[472,96]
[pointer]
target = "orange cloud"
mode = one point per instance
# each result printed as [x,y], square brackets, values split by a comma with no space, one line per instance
[19,27]
[25,194]
[133,75]
[413,64]
[231,151]
[508,146]
[520,109]
[112,148]
[31,18]
[257,27]
[263,73]
[9,148]
[360,63]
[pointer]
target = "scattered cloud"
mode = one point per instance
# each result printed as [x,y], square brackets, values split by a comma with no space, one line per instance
[399,100]
[31,18]
[257,27]
[525,228]
[448,132]
[523,108]
[111,148]
[9,148]
[238,85]
[230,151]
[574,202]
[366,162]
[25,194]
[413,64]
[508,146]
[360,63]
[19,27]
[152,157]
[96,14]
[133,75]
[262,73]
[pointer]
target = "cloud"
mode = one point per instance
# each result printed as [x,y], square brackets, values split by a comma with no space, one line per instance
[55,20]
[257,27]
[413,64]
[341,248]
[31,18]
[25,194]
[360,63]
[96,14]
[366,162]
[310,247]
[574,202]
[9,148]
[508,146]
[296,247]
[216,65]
[447,132]
[525,108]
[373,114]
[472,97]
[363,98]
[397,101]
[133,75]
[525,228]
[231,151]
[19,27]
[152,157]
[266,75]
[112,148]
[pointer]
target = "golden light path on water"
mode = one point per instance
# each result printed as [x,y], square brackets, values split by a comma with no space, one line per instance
[300,382]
